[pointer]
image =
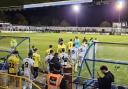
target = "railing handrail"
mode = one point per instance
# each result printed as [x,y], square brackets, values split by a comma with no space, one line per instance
[22,77]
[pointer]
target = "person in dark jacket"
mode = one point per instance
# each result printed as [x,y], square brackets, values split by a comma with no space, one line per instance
[105,78]
[56,68]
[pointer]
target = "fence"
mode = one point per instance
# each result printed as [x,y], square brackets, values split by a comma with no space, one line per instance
[114,55]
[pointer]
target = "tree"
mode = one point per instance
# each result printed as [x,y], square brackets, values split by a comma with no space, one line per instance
[3,16]
[105,24]
[55,22]
[20,19]
[64,23]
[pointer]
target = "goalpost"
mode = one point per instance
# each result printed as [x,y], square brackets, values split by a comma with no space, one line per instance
[10,43]
[113,55]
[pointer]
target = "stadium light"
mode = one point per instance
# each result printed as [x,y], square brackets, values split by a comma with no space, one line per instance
[120,4]
[76,8]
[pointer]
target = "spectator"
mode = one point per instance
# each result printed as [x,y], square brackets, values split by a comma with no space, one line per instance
[105,78]
[55,66]
[56,70]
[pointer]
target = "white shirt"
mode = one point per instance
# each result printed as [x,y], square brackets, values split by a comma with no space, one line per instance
[82,50]
[64,57]
[74,53]
[28,63]
[49,57]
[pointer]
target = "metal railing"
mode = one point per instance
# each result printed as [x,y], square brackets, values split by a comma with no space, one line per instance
[8,81]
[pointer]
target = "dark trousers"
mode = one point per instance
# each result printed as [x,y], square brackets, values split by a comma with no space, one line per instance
[63,84]
[36,71]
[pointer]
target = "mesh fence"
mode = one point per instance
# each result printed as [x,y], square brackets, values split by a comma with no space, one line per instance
[117,52]
[114,55]
[9,43]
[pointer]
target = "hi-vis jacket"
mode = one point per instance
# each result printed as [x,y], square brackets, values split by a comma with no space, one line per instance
[54,80]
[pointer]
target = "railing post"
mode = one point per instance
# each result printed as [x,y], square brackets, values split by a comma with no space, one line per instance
[20,84]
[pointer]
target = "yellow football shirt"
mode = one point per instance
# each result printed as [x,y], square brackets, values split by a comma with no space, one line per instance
[70,45]
[36,58]
[13,61]
[60,47]
[48,51]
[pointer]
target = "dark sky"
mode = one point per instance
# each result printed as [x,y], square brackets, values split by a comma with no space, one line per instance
[90,15]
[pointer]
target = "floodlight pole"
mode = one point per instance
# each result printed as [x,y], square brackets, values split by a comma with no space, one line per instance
[76,20]
[76,9]
[119,17]
[119,6]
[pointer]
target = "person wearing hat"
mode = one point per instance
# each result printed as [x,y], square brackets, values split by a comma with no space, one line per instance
[36,58]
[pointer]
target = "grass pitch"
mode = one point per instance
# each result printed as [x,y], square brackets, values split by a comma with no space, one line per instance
[113,52]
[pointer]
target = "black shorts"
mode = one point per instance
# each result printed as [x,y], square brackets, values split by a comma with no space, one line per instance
[36,68]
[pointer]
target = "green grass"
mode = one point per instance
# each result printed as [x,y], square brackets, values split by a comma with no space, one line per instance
[113,52]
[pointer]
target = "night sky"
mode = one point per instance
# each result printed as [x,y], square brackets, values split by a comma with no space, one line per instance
[90,15]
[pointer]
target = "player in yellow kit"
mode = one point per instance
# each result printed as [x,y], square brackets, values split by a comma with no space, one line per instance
[13,66]
[48,50]
[60,47]
[13,62]
[36,58]
[70,45]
